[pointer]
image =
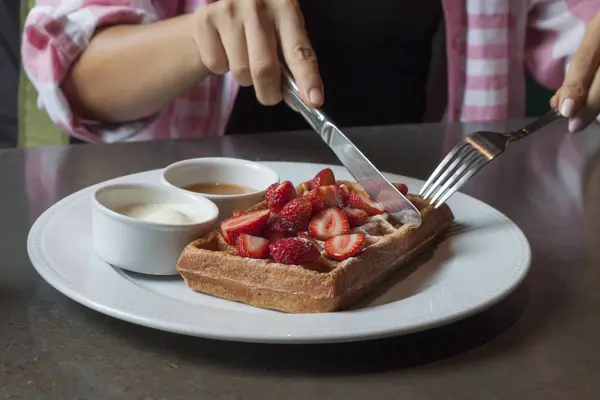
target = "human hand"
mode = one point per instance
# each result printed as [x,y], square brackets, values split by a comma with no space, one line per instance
[242,36]
[579,96]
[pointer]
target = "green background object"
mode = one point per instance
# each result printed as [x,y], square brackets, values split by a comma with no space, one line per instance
[35,127]
[537,98]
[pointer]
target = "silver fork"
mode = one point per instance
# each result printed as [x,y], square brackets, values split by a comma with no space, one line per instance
[470,155]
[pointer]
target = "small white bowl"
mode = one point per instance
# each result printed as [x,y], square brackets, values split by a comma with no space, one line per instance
[147,246]
[223,170]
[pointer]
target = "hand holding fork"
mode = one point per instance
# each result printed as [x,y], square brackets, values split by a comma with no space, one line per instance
[470,155]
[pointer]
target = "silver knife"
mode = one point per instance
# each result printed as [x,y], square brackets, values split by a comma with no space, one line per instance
[365,173]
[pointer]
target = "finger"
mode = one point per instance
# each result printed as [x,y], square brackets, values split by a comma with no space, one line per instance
[262,53]
[582,120]
[554,102]
[593,98]
[589,112]
[209,45]
[298,52]
[584,63]
[231,30]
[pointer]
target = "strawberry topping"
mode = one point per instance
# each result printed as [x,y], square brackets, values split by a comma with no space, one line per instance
[332,195]
[279,194]
[344,192]
[402,188]
[304,187]
[344,246]
[305,235]
[273,234]
[324,178]
[316,199]
[294,251]
[298,212]
[366,203]
[281,225]
[328,223]
[356,216]
[251,223]
[252,246]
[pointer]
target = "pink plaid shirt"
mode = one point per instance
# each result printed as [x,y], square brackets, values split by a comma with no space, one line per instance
[489,45]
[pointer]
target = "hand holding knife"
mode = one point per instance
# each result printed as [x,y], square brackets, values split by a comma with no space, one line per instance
[370,178]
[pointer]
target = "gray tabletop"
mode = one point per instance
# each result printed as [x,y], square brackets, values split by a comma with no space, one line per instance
[541,342]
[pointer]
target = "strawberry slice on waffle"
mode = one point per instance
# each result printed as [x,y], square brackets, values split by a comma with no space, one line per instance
[329,222]
[294,251]
[251,223]
[252,246]
[366,203]
[345,246]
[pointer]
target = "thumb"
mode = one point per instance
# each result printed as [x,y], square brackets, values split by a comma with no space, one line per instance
[571,96]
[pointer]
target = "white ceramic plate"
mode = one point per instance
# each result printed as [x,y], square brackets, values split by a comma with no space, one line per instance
[469,271]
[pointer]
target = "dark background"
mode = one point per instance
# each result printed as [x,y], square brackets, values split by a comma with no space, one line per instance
[10,60]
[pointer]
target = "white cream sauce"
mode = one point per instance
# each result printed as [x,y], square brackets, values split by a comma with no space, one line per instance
[158,213]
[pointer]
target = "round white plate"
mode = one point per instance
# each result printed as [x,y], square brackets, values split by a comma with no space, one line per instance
[470,270]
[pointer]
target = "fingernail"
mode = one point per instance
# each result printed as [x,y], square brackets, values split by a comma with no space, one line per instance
[315,96]
[576,124]
[567,108]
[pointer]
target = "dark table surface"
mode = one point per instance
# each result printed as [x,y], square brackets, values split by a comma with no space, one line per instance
[541,342]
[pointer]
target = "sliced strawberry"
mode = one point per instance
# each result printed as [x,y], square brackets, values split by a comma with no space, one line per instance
[286,226]
[329,222]
[344,192]
[325,177]
[279,194]
[304,187]
[305,235]
[355,200]
[356,216]
[366,203]
[316,199]
[332,195]
[278,227]
[294,251]
[252,246]
[251,223]
[344,246]
[402,188]
[298,212]
[273,235]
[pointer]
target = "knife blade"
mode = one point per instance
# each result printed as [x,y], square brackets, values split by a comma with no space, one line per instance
[366,174]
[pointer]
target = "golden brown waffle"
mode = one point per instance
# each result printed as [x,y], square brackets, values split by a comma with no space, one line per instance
[209,265]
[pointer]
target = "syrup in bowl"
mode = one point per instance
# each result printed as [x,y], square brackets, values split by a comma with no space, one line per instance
[219,188]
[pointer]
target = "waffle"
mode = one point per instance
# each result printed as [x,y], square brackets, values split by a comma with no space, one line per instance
[211,266]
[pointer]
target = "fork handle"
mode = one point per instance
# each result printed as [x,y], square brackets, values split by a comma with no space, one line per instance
[535,126]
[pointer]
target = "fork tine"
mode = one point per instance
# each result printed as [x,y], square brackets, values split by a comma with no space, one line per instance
[458,160]
[474,168]
[442,165]
[467,162]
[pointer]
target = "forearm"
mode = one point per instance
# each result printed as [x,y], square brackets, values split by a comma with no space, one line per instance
[129,72]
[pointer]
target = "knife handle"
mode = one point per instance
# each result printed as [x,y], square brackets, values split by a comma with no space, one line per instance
[291,94]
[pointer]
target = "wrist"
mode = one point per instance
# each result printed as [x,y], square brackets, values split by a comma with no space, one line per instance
[193,60]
